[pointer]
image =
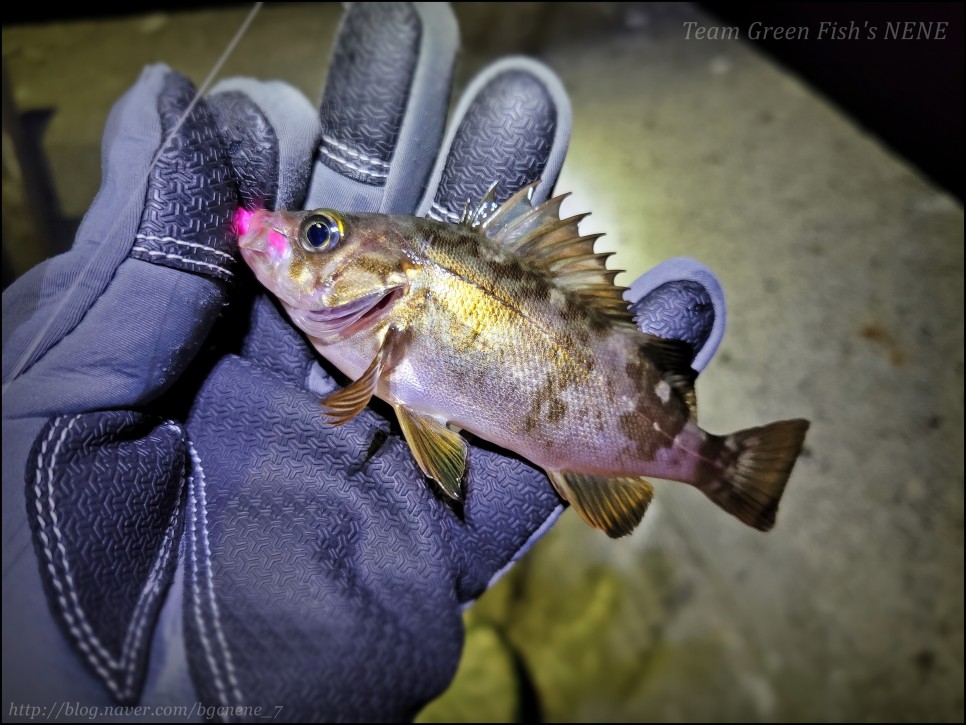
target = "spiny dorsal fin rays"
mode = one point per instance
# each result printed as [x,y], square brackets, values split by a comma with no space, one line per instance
[600,295]
[517,204]
[554,245]
[539,218]
[474,216]
[561,232]
[581,276]
[576,262]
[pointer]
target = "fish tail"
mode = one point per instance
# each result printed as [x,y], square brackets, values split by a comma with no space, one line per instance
[761,461]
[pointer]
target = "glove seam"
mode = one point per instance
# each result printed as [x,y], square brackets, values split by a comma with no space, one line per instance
[349,165]
[199,530]
[443,214]
[352,152]
[182,243]
[72,612]
[186,260]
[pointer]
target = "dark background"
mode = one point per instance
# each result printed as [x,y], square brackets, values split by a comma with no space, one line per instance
[907,92]
[844,277]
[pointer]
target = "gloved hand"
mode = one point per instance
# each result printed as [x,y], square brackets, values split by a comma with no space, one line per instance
[318,571]
[93,483]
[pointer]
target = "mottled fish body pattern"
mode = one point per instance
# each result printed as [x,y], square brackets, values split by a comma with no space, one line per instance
[509,326]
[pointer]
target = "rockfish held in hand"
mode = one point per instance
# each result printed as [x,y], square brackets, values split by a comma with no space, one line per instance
[508,325]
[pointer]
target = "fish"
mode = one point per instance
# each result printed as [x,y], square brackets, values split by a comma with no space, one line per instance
[508,325]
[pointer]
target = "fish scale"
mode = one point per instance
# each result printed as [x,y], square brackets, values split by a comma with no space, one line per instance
[509,326]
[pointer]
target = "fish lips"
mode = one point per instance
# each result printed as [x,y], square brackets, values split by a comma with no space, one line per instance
[346,320]
[268,263]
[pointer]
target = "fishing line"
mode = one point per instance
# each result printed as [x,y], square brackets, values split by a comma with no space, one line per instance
[229,49]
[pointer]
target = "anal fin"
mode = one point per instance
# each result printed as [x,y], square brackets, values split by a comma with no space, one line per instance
[615,505]
[439,451]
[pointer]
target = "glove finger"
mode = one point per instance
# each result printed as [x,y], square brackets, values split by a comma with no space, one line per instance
[379,108]
[104,494]
[152,259]
[316,554]
[509,505]
[512,126]
[681,299]
[270,131]
[384,106]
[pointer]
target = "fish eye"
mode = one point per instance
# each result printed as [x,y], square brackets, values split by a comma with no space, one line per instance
[321,232]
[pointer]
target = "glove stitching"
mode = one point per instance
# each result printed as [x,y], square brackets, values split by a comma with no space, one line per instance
[199,530]
[154,253]
[55,579]
[151,586]
[74,615]
[442,214]
[356,154]
[353,167]
[180,242]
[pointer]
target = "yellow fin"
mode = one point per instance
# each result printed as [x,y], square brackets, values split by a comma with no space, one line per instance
[615,505]
[439,451]
[343,405]
[554,245]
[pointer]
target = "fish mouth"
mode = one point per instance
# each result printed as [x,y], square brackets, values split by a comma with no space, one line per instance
[360,314]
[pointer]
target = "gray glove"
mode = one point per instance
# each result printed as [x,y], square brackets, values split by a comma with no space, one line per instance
[317,571]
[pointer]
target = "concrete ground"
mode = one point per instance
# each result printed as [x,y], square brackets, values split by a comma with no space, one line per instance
[843,269]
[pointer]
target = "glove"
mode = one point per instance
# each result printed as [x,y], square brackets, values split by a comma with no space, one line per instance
[335,574]
[317,572]
[93,480]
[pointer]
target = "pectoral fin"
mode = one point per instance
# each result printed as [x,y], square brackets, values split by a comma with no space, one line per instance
[345,404]
[615,505]
[439,451]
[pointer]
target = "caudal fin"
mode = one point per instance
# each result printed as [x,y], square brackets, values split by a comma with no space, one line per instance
[753,484]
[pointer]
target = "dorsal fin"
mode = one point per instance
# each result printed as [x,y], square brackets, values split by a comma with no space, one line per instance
[554,245]
[673,359]
[474,216]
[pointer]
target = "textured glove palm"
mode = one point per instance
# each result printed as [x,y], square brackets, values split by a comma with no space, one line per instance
[317,571]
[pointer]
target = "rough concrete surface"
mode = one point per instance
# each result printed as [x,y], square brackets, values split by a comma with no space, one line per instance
[843,269]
